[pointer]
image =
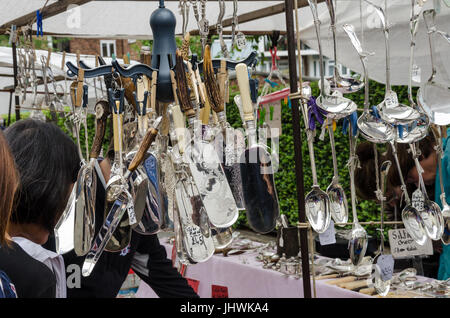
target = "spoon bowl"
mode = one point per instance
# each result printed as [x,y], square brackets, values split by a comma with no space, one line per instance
[433,220]
[338,202]
[344,85]
[336,106]
[374,129]
[317,204]
[357,243]
[414,224]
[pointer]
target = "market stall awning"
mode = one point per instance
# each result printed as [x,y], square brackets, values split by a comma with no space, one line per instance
[130,19]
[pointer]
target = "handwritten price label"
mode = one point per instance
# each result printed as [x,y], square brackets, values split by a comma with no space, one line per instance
[219,291]
[329,236]
[403,245]
[391,99]
[385,264]
[193,283]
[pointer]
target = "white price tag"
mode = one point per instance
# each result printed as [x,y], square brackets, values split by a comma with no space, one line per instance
[241,42]
[391,99]
[418,200]
[403,245]
[385,265]
[329,236]
[416,73]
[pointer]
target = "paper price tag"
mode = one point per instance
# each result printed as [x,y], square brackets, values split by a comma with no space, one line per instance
[403,245]
[193,283]
[391,99]
[416,73]
[329,236]
[418,200]
[219,291]
[385,264]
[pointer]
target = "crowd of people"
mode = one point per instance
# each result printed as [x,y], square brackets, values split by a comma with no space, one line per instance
[40,164]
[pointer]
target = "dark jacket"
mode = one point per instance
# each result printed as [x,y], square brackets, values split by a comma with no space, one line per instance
[145,255]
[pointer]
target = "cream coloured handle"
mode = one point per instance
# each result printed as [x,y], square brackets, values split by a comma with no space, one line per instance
[244,88]
[178,123]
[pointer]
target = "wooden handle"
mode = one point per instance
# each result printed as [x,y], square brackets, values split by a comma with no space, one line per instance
[341,280]
[327,276]
[154,85]
[174,87]
[206,110]
[63,61]
[222,78]
[79,94]
[353,285]
[212,87]
[178,125]
[244,88]
[101,114]
[367,291]
[117,121]
[146,143]
[193,82]
[184,98]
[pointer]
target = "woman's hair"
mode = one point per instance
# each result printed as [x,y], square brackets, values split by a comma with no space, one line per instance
[365,178]
[48,163]
[9,182]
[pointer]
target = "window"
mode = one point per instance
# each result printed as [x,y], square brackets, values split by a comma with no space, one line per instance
[315,68]
[107,48]
[330,68]
[345,70]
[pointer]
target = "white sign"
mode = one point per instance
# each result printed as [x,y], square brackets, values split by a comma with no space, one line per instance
[329,236]
[404,246]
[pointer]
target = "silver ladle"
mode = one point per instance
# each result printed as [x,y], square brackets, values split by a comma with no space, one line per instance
[391,110]
[434,97]
[335,105]
[358,236]
[382,287]
[431,213]
[371,128]
[411,218]
[418,129]
[446,208]
[344,85]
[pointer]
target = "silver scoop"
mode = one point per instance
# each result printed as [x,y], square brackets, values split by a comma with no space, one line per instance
[434,97]
[431,213]
[371,128]
[344,85]
[411,218]
[418,129]
[359,239]
[317,202]
[335,191]
[335,105]
[390,109]
[382,287]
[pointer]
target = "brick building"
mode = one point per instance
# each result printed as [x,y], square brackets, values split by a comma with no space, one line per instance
[102,47]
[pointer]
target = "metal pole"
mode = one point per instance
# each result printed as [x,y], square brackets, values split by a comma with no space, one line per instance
[17,103]
[9,110]
[297,145]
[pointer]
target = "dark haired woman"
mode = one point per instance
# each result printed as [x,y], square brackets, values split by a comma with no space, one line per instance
[435,266]
[48,163]
[9,182]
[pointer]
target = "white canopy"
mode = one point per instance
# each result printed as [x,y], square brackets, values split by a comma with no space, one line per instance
[130,19]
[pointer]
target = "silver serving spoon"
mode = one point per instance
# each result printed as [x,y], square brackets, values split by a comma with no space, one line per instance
[432,96]
[317,202]
[446,208]
[335,105]
[391,110]
[358,236]
[371,128]
[382,287]
[411,218]
[418,129]
[431,213]
[344,85]
[335,191]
